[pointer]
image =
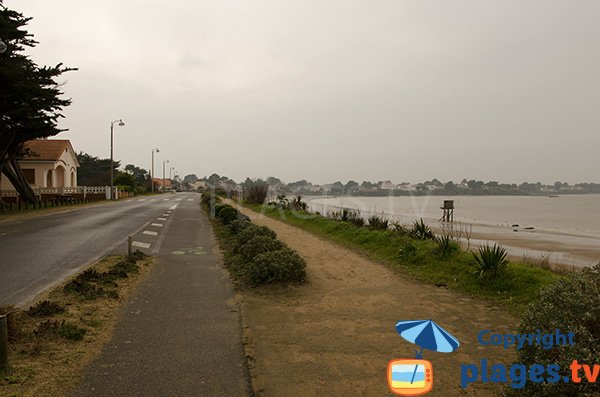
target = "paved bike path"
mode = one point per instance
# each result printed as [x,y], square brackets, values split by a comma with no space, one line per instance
[179,334]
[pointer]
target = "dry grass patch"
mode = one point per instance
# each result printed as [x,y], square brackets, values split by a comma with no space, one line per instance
[52,341]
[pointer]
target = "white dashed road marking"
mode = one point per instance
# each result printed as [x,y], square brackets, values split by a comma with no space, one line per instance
[162,219]
[177,199]
[166,199]
[141,245]
[156,224]
[142,200]
[150,233]
[152,199]
[173,206]
[190,199]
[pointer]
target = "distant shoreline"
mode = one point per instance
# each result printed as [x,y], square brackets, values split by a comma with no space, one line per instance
[394,193]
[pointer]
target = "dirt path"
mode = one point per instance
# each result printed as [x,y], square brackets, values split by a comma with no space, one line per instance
[335,335]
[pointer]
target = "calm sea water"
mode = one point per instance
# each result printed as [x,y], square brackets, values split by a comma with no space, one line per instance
[569,214]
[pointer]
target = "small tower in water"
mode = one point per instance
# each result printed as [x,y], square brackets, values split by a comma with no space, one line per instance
[448,209]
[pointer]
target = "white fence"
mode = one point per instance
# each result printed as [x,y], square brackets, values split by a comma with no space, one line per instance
[65,191]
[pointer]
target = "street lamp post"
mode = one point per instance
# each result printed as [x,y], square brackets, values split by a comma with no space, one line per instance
[155,150]
[171,172]
[112,123]
[163,180]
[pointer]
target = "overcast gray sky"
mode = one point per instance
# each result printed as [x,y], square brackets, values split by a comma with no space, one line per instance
[333,90]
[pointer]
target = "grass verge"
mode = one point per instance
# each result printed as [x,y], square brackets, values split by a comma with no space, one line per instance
[50,342]
[421,260]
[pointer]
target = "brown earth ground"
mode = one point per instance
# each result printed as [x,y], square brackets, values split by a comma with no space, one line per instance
[335,335]
[50,366]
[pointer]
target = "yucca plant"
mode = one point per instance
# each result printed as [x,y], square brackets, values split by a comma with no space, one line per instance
[350,216]
[399,228]
[491,260]
[421,231]
[446,245]
[377,222]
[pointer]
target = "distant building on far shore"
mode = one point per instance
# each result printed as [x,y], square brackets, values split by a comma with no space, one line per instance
[387,185]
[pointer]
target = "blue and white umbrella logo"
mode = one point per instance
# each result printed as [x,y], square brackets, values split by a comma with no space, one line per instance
[427,335]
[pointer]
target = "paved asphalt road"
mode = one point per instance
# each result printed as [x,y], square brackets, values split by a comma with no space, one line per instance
[39,252]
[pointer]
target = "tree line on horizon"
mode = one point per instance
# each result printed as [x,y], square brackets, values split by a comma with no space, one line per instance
[382,188]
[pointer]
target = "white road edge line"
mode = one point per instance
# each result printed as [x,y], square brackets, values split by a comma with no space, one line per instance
[141,245]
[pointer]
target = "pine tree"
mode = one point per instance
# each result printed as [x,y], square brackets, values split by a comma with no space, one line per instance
[30,99]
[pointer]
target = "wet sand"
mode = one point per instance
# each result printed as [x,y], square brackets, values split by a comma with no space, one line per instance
[565,249]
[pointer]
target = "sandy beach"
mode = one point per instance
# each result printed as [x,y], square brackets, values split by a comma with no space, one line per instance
[563,230]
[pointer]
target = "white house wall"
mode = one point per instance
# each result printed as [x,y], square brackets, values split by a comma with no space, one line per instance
[67,160]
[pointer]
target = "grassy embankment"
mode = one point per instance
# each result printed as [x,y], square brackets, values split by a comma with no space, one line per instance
[420,259]
[51,342]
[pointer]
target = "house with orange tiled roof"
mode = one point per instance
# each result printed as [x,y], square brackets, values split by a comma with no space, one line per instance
[48,163]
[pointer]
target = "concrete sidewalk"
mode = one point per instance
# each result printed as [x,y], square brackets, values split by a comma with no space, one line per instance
[180,333]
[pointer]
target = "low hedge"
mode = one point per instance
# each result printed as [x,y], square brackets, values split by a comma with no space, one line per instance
[256,256]
[283,265]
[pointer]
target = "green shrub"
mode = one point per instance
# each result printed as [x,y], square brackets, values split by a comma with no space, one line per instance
[137,256]
[228,214]
[259,245]
[238,225]
[219,207]
[491,260]
[572,304]
[206,198]
[45,308]
[122,269]
[83,288]
[47,328]
[399,228]
[71,331]
[255,192]
[298,204]
[277,266]
[446,245]
[348,215]
[421,231]
[89,275]
[250,232]
[51,328]
[88,291]
[377,222]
